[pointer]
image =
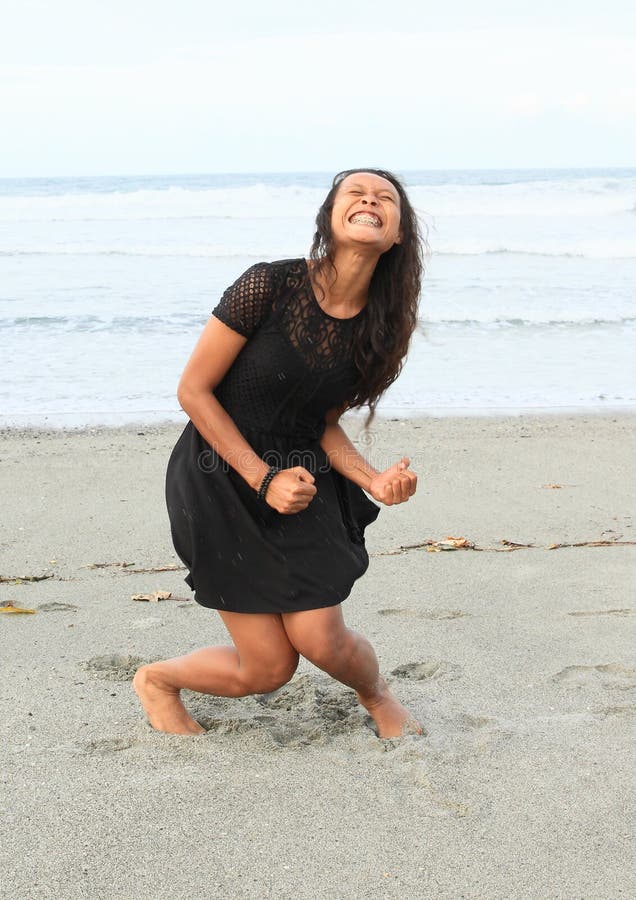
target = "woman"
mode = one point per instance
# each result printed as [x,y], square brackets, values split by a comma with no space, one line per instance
[265,492]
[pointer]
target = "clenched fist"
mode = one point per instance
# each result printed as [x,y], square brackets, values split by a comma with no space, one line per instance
[291,490]
[394,485]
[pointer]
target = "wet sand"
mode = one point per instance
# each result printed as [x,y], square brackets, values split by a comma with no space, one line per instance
[521,664]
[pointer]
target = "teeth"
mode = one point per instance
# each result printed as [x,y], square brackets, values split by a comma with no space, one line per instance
[365,219]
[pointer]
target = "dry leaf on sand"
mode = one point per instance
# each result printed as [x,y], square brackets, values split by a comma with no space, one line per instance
[158,595]
[154,597]
[7,607]
[450,543]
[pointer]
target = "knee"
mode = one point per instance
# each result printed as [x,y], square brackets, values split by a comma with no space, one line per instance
[145,675]
[270,678]
[323,649]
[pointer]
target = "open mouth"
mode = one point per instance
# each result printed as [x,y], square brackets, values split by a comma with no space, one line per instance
[366,218]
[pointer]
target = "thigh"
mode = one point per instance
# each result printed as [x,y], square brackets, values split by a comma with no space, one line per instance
[260,639]
[315,632]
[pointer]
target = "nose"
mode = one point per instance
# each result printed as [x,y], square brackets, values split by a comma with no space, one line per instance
[371,200]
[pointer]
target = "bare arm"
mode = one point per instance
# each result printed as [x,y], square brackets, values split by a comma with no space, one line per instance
[394,485]
[214,353]
[342,454]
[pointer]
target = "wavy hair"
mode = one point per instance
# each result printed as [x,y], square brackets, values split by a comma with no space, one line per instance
[382,336]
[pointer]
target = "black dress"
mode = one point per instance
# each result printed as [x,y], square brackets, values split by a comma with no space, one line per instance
[242,555]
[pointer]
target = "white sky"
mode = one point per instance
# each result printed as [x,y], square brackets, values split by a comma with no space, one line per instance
[149,86]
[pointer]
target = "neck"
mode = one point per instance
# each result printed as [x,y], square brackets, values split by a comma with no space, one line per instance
[346,290]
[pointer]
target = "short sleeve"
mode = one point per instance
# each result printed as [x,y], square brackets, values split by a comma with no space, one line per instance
[246,304]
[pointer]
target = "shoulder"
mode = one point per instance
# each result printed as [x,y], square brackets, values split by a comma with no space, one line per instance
[275,274]
[283,268]
[277,279]
[297,262]
[290,273]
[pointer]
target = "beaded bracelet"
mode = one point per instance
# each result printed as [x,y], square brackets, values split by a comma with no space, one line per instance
[260,493]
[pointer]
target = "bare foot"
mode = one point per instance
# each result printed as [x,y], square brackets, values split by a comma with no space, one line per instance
[163,704]
[393,719]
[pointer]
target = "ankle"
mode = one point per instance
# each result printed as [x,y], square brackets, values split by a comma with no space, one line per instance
[375,694]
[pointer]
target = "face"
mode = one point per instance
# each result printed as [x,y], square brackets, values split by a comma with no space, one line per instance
[366,212]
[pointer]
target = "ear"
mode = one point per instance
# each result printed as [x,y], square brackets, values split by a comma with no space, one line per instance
[399,238]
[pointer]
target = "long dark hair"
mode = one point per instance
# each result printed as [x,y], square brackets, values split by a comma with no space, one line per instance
[382,335]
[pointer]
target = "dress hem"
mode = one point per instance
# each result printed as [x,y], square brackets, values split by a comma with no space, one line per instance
[270,611]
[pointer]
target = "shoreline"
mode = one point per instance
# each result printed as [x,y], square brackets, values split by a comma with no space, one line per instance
[354,418]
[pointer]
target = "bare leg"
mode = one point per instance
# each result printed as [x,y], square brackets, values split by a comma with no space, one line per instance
[321,636]
[261,660]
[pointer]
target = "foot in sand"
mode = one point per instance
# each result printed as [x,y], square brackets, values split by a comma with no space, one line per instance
[163,704]
[393,719]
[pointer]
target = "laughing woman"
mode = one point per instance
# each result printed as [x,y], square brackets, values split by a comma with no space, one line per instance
[265,492]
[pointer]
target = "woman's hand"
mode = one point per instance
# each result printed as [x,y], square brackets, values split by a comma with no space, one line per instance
[394,485]
[291,490]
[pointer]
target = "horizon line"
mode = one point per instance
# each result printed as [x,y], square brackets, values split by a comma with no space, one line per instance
[329,172]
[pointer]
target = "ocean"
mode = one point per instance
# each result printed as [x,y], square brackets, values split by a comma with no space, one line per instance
[528,304]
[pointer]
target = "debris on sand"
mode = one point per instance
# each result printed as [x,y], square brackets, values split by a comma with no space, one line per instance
[461,543]
[156,596]
[6,606]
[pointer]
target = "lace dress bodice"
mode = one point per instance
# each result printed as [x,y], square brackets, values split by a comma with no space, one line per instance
[298,360]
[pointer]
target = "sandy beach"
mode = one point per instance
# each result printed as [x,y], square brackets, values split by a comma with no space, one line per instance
[520,663]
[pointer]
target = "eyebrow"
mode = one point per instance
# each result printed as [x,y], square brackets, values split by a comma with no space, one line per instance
[388,190]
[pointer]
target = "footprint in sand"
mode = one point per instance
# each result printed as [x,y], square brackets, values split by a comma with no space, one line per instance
[425,613]
[227,725]
[54,606]
[482,732]
[428,670]
[316,702]
[108,745]
[441,803]
[468,721]
[308,710]
[114,666]
[606,675]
